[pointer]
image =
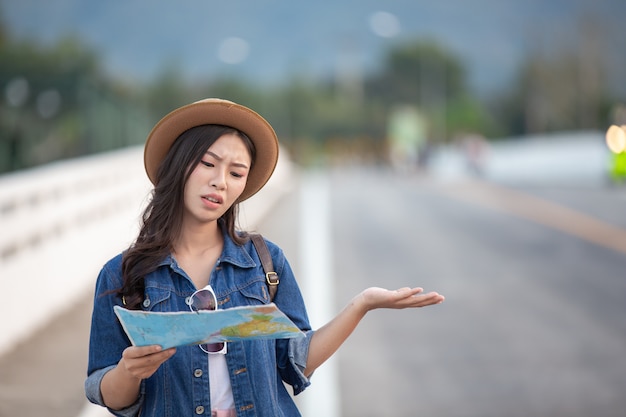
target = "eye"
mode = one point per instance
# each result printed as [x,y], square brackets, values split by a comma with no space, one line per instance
[206,163]
[237,175]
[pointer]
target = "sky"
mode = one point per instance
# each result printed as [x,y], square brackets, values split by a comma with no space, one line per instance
[268,40]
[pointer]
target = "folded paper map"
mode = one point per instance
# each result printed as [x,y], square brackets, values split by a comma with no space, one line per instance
[191,328]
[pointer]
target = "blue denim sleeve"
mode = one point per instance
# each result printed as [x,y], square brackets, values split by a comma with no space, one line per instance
[107,339]
[94,395]
[298,354]
[291,359]
[291,354]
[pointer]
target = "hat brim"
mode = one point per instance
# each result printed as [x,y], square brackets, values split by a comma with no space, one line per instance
[220,112]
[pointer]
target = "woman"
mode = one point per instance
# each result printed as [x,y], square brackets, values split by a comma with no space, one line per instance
[203,159]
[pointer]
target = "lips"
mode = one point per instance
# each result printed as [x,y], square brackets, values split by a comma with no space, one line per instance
[213,198]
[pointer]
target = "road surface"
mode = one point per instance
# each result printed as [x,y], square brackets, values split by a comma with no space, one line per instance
[533,323]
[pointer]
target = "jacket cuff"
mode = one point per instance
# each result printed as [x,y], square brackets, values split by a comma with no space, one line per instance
[94,395]
[298,354]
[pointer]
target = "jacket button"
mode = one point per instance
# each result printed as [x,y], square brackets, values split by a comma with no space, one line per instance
[199,409]
[197,373]
[146,303]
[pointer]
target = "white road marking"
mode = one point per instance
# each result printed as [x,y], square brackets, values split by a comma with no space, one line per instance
[316,276]
[92,410]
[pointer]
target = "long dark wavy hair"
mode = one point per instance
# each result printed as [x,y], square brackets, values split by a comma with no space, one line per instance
[163,217]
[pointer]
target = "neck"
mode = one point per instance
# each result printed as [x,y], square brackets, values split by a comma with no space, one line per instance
[198,239]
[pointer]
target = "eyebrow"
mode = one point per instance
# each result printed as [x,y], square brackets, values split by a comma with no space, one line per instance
[219,158]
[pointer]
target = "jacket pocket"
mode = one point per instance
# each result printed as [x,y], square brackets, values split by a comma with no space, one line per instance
[155,299]
[255,292]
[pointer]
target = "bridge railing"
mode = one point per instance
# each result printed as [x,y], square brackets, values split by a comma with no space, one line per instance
[58,224]
[61,222]
[41,205]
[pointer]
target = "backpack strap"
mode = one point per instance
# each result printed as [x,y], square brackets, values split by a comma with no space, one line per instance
[271,277]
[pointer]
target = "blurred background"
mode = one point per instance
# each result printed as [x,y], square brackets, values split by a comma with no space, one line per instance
[79,78]
[475,147]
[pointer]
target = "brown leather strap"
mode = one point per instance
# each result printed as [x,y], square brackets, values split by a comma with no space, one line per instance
[271,277]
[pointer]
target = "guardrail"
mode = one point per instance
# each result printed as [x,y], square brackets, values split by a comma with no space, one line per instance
[41,205]
[61,222]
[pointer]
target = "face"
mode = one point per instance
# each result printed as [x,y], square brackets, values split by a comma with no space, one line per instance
[218,180]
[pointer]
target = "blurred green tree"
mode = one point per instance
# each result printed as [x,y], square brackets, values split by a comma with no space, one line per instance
[424,74]
[561,85]
[58,104]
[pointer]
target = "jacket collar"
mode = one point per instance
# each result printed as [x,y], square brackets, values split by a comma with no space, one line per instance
[231,253]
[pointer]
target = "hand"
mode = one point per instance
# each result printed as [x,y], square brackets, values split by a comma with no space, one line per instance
[328,338]
[142,362]
[375,297]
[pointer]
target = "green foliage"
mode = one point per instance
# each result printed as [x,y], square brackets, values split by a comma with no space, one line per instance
[562,85]
[425,75]
[421,73]
[72,108]
[467,115]
[58,104]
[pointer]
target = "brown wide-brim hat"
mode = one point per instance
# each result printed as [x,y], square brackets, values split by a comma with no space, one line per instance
[219,112]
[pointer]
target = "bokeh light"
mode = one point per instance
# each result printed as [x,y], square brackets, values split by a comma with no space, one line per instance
[384,24]
[17,91]
[233,50]
[616,138]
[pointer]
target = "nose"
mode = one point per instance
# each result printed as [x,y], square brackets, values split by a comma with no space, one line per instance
[219,179]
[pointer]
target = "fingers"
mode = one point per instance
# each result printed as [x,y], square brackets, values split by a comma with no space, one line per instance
[413,295]
[142,361]
[410,291]
[134,352]
[418,299]
[431,298]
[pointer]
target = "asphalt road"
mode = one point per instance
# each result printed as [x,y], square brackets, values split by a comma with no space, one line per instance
[533,323]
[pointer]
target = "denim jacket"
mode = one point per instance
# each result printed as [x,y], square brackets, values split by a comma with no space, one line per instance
[180,387]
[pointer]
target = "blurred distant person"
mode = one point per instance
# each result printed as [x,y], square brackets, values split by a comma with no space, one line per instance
[204,159]
[475,150]
[406,133]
